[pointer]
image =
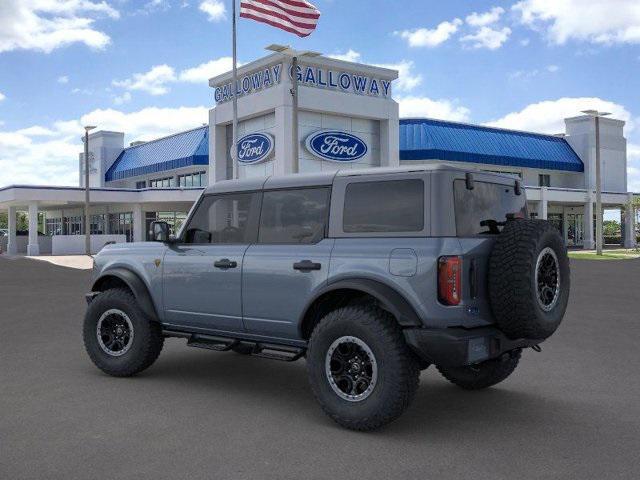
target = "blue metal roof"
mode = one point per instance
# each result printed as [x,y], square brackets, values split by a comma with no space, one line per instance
[424,139]
[175,151]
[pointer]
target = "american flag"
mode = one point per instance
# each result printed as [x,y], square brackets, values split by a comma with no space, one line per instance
[294,16]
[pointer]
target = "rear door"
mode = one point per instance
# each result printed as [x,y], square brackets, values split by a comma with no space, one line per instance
[289,261]
[202,273]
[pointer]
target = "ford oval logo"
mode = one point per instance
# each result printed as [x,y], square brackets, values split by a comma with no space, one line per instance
[255,148]
[336,146]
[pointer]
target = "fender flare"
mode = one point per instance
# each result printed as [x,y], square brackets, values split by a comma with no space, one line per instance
[135,284]
[389,299]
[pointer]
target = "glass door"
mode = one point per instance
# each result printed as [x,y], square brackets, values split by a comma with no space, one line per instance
[575,230]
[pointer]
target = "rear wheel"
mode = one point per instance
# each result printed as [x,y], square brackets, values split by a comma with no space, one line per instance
[361,371]
[483,375]
[118,337]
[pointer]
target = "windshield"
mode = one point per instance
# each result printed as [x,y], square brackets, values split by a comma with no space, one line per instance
[485,209]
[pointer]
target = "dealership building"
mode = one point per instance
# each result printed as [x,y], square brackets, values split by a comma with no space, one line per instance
[347,120]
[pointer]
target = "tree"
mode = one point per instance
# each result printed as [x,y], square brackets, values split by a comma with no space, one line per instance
[611,228]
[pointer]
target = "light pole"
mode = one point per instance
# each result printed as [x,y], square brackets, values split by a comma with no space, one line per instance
[87,218]
[294,55]
[596,114]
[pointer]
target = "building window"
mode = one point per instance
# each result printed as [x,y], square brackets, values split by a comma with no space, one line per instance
[142,184]
[544,180]
[53,226]
[121,224]
[166,182]
[197,179]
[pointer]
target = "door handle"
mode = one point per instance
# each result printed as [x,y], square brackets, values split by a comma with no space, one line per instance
[307,266]
[225,263]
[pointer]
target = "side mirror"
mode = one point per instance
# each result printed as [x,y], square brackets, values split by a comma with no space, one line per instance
[159,232]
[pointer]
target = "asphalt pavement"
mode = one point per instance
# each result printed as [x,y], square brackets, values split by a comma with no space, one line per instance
[571,411]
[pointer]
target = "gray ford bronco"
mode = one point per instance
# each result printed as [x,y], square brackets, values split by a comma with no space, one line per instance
[371,275]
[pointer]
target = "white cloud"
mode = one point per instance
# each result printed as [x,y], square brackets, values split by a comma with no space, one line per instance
[45,25]
[525,42]
[595,21]
[484,19]
[413,106]
[423,37]
[214,9]
[407,78]
[153,82]
[548,116]
[63,79]
[349,56]
[487,37]
[48,155]
[529,74]
[203,72]
[2,96]
[122,99]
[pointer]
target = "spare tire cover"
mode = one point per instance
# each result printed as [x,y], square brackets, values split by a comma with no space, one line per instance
[529,279]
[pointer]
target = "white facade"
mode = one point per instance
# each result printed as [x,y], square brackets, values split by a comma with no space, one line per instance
[373,117]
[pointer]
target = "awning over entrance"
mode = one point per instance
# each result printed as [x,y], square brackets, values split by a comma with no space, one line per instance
[424,139]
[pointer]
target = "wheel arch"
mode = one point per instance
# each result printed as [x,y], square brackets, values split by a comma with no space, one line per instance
[123,277]
[347,290]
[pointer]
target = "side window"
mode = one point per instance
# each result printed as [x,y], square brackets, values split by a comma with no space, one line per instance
[224,219]
[385,206]
[294,216]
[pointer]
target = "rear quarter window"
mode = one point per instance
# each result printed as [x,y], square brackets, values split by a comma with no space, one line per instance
[384,206]
[481,211]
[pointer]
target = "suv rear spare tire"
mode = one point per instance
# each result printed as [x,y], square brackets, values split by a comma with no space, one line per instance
[529,279]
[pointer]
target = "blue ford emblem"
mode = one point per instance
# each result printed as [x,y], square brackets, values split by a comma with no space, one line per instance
[336,146]
[255,148]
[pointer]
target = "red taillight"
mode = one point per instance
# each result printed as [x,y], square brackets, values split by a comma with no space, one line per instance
[449,280]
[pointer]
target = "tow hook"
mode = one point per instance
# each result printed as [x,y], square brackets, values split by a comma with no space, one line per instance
[536,348]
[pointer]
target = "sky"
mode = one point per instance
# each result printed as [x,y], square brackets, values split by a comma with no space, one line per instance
[142,66]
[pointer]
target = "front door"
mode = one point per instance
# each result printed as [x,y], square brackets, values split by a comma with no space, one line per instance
[202,272]
[289,261]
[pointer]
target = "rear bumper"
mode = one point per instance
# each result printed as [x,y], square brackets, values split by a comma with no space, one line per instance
[456,347]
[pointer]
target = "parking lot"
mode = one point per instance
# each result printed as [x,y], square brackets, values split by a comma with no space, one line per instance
[572,411]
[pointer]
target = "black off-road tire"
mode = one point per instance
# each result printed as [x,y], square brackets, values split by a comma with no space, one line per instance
[513,291]
[147,339]
[483,375]
[398,370]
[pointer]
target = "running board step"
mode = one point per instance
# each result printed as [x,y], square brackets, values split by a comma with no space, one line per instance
[277,352]
[220,344]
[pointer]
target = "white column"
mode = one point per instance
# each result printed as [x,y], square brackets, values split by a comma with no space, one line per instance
[629,223]
[32,247]
[543,203]
[218,146]
[283,163]
[588,242]
[12,247]
[138,223]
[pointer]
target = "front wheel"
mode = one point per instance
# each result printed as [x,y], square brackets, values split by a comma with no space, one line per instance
[483,375]
[361,371]
[118,337]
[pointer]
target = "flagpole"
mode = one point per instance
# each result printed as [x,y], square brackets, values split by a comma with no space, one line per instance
[234,148]
[294,115]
